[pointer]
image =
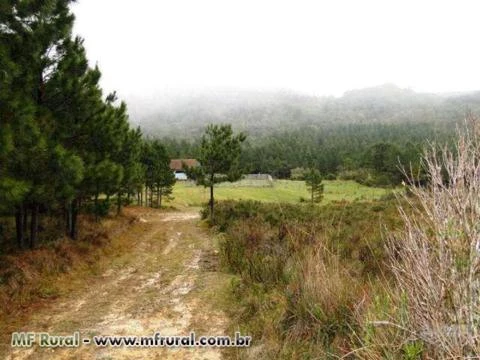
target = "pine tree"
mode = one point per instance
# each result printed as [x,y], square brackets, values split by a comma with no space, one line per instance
[16,115]
[129,158]
[219,156]
[159,177]
[313,179]
[31,31]
[165,178]
[60,142]
[74,99]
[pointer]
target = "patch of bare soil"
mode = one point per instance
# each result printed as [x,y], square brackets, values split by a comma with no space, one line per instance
[166,283]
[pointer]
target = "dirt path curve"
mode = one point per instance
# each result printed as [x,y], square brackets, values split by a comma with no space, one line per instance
[166,283]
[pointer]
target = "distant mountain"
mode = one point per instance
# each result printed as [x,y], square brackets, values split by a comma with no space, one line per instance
[259,113]
[385,91]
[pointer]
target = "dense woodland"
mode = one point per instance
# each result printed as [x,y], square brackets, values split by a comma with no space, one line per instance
[370,153]
[365,135]
[64,146]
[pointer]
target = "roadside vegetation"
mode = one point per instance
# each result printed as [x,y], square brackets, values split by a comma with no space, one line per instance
[393,278]
[54,267]
[304,273]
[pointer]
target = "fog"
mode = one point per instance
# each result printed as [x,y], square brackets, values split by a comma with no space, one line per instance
[150,51]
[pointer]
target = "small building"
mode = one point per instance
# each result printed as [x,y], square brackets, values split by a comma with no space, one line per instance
[266,177]
[257,180]
[178,167]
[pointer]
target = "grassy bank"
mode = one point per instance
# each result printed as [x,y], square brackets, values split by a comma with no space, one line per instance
[284,191]
[307,278]
[52,269]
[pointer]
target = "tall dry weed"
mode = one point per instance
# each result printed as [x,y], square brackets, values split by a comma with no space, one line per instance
[435,259]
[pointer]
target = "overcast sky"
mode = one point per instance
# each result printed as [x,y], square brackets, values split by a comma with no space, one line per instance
[318,47]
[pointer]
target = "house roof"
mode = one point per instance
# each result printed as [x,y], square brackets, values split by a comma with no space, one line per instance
[177,164]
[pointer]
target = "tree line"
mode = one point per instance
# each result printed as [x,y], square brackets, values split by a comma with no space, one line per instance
[369,153]
[64,146]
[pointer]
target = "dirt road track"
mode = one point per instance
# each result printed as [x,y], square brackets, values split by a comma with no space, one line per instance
[166,283]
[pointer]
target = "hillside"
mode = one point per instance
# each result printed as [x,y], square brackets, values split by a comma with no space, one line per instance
[335,135]
[260,113]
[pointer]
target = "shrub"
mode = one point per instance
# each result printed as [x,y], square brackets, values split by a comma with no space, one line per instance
[101,209]
[304,270]
[435,303]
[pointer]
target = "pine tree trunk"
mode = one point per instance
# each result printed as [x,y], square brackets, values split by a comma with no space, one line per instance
[211,202]
[25,222]
[72,223]
[158,196]
[146,196]
[73,219]
[96,206]
[34,226]
[68,218]
[19,226]
[65,218]
[119,203]
[160,193]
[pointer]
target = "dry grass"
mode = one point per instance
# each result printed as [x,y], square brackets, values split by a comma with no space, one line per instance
[324,298]
[30,276]
[435,306]
[305,275]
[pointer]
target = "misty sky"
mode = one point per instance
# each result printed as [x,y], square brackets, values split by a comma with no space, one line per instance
[318,47]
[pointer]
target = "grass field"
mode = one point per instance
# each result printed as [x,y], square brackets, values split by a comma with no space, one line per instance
[186,194]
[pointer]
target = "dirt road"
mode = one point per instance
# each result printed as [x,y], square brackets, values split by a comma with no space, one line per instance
[166,282]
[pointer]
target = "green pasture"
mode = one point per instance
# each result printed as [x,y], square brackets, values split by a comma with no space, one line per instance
[187,194]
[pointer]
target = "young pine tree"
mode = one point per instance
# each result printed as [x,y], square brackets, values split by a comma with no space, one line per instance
[313,179]
[219,156]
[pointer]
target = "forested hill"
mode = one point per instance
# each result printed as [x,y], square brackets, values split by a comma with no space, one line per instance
[363,135]
[260,113]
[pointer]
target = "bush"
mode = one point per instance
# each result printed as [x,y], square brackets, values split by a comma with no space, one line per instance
[436,258]
[434,303]
[101,209]
[303,270]
[297,173]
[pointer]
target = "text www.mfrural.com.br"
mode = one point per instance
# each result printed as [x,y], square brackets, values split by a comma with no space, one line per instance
[46,340]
